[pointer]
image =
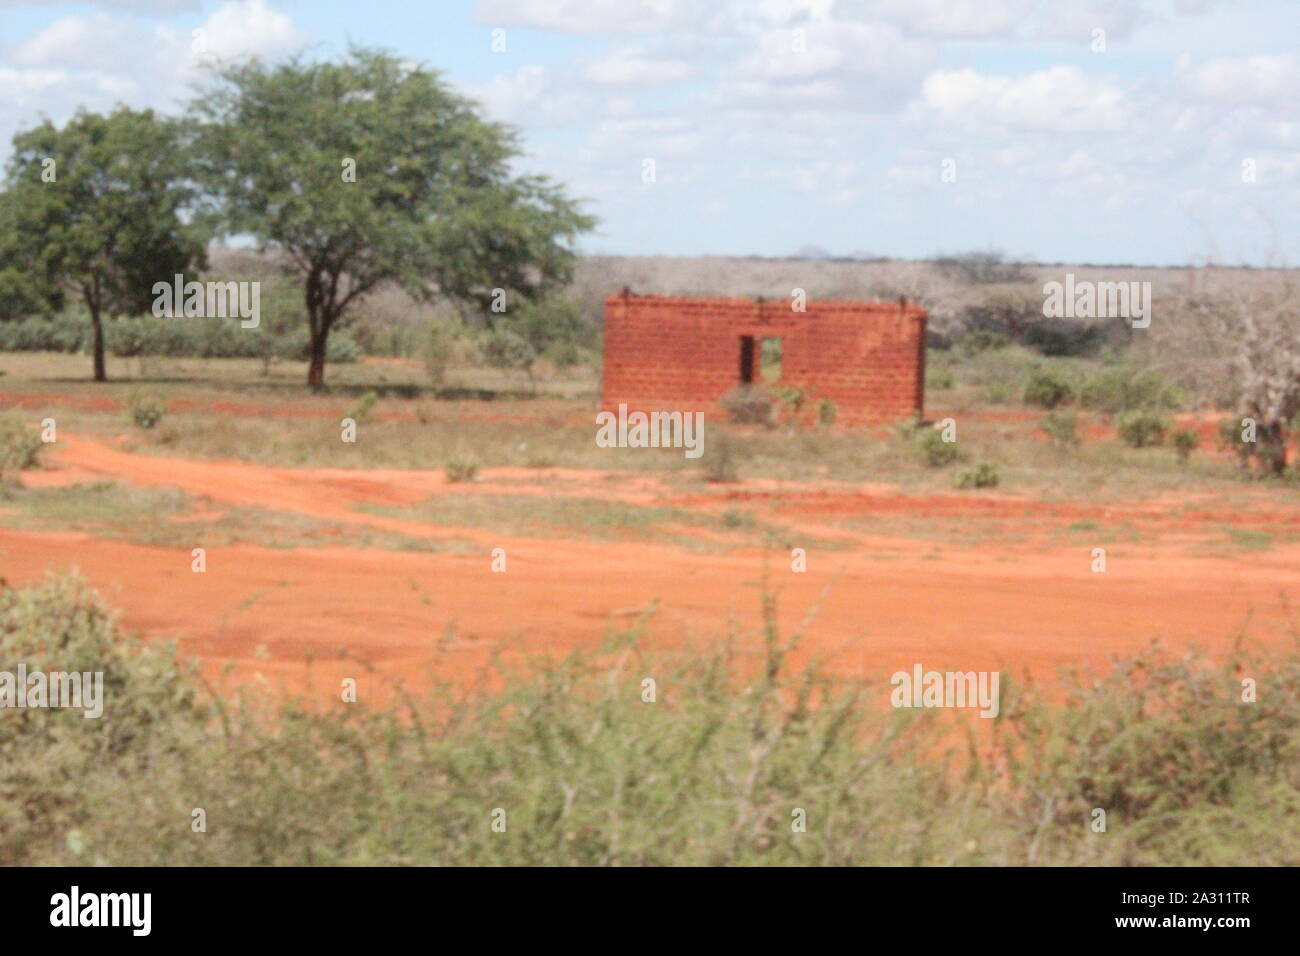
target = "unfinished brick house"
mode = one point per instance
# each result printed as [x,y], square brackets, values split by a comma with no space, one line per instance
[673,353]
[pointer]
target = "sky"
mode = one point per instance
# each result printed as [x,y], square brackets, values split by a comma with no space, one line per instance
[1160,132]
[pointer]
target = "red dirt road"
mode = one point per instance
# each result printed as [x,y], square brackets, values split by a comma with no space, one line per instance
[267,610]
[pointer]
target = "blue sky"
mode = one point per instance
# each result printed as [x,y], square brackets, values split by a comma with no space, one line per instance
[779,124]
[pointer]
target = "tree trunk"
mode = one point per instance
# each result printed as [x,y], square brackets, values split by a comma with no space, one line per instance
[316,357]
[1273,439]
[101,374]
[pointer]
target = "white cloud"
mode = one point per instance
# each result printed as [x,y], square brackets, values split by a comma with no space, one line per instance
[1060,99]
[945,18]
[589,16]
[629,66]
[250,27]
[138,6]
[529,94]
[1266,80]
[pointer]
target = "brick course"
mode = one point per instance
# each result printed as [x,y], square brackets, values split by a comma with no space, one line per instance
[670,352]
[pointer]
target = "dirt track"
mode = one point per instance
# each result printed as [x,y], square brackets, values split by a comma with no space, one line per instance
[267,610]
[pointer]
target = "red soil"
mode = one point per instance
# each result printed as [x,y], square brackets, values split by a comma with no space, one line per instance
[1027,609]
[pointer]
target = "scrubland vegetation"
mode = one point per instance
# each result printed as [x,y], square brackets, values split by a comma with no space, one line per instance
[586,772]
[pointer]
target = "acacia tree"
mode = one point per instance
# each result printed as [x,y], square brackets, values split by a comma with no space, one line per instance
[370,171]
[1238,335]
[98,209]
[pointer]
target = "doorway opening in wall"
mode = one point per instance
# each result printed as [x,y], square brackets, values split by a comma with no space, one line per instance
[769,359]
[746,360]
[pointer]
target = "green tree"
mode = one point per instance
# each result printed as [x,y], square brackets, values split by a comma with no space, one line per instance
[98,209]
[372,170]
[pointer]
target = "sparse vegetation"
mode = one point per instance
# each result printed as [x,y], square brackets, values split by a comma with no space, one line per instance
[1047,389]
[1141,429]
[461,469]
[1062,426]
[935,452]
[750,405]
[390,787]
[982,475]
[20,443]
[147,408]
[1185,441]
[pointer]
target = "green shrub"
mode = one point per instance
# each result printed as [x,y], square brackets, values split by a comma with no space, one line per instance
[460,469]
[935,452]
[146,408]
[364,406]
[1122,388]
[1140,428]
[1230,438]
[148,335]
[1065,337]
[1048,389]
[792,399]
[504,348]
[1185,442]
[982,475]
[826,411]
[939,379]
[721,459]
[744,735]
[909,428]
[983,340]
[750,405]
[1062,425]
[999,393]
[20,443]
[1267,450]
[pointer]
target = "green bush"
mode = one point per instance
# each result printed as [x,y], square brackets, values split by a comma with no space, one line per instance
[983,340]
[147,335]
[1230,439]
[1122,388]
[146,408]
[589,774]
[1062,426]
[1048,389]
[20,443]
[1268,449]
[982,475]
[1185,442]
[939,379]
[461,468]
[935,452]
[364,406]
[1065,337]
[999,393]
[792,399]
[1140,428]
[826,411]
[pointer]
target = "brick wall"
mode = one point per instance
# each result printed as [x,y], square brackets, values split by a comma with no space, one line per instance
[684,353]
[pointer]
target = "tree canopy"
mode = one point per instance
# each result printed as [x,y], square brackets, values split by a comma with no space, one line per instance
[98,209]
[372,170]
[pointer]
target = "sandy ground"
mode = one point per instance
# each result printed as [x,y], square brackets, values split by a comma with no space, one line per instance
[882,604]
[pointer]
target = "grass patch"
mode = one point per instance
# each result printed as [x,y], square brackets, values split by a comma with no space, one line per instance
[150,516]
[595,519]
[1249,540]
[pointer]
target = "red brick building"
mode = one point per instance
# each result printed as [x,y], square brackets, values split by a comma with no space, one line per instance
[672,353]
